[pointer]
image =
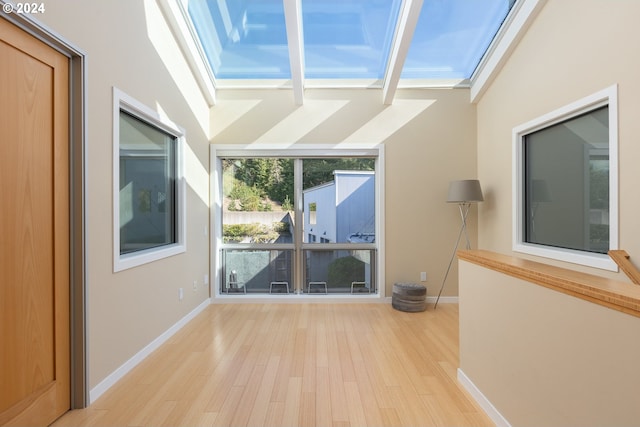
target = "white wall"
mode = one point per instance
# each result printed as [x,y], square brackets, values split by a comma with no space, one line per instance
[544,358]
[540,357]
[429,135]
[129,46]
[573,49]
[429,139]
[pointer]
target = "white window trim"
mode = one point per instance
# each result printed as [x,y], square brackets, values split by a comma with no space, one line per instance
[122,101]
[606,97]
[286,150]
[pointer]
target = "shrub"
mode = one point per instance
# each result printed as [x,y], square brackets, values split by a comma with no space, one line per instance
[286,204]
[345,270]
[256,233]
[281,227]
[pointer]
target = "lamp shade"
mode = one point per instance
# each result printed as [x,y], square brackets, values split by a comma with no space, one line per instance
[467,190]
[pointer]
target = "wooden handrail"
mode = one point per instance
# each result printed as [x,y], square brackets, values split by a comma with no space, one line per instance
[617,295]
[621,257]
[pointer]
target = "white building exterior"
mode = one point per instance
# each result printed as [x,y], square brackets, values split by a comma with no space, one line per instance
[341,211]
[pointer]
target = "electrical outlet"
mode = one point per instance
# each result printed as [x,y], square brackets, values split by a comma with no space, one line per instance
[195,285]
[423,276]
[206,279]
[180,294]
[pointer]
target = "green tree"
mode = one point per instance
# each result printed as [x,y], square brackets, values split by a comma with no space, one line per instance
[245,198]
[281,186]
[286,204]
[273,177]
[320,171]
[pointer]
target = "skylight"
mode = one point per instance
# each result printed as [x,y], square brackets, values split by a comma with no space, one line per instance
[347,39]
[331,40]
[451,37]
[243,39]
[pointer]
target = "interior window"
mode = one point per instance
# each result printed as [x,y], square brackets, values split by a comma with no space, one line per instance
[566,180]
[147,186]
[149,193]
[567,184]
[325,246]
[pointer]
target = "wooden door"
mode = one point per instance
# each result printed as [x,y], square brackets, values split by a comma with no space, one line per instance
[34,230]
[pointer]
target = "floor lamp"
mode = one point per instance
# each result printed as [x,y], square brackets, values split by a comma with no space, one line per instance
[464,193]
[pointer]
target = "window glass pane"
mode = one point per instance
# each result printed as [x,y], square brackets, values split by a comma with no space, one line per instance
[348,39]
[247,39]
[451,36]
[257,271]
[260,205]
[567,184]
[147,185]
[339,271]
[257,200]
[339,200]
[243,39]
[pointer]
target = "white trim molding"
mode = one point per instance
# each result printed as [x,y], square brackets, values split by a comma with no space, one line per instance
[513,29]
[606,97]
[124,102]
[482,400]
[119,373]
[177,16]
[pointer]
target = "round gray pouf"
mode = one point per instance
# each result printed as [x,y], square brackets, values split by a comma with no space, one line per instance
[409,297]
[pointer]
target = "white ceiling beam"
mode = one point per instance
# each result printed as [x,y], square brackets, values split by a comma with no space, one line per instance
[407,22]
[293,21]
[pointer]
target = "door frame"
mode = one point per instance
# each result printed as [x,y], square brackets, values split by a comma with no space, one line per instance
[77,185]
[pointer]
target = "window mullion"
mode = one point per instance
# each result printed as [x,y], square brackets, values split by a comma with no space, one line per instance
[298,273]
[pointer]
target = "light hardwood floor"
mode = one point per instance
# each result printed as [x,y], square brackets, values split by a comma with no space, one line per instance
[297,365]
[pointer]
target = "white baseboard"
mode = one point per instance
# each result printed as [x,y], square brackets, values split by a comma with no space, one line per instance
[304,298]
[296,299]
[481,399]
[443,300]
[116,375]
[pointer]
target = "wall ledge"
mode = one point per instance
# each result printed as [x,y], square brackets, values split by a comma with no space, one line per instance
[621,296]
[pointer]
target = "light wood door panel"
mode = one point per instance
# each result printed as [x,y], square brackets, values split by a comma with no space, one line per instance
[34,230]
